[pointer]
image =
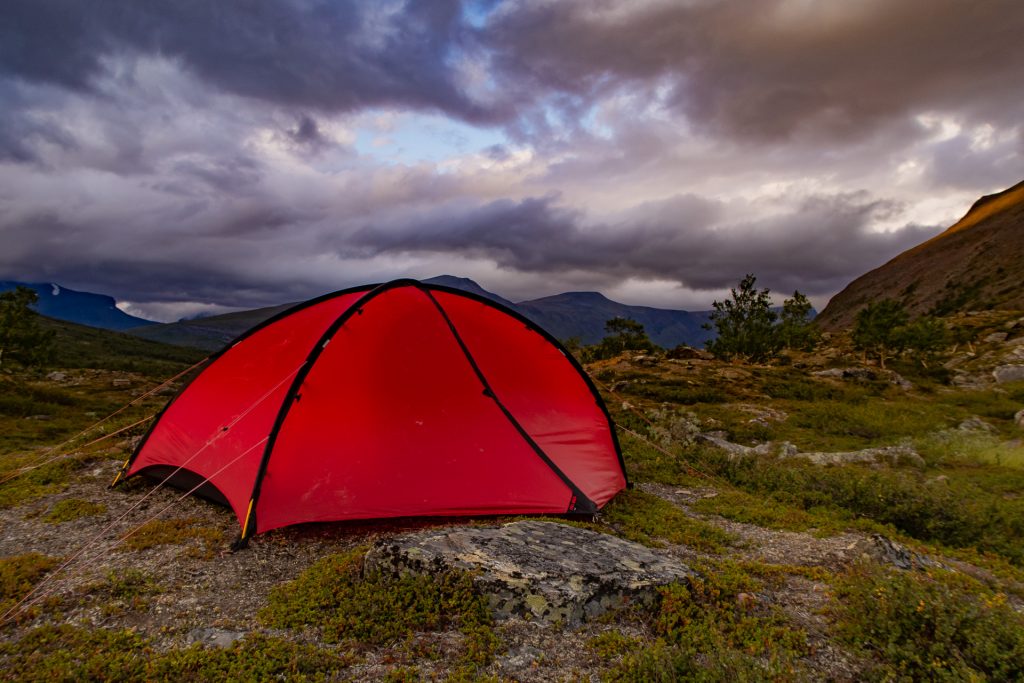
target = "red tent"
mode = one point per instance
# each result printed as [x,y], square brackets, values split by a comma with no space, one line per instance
[394,400]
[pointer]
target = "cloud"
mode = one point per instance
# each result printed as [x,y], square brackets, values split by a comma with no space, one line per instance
[816,246]
[773,69]
[330,55]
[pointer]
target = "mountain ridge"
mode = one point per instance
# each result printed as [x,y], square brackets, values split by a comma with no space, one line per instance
[975,264]
[570,314]
[84,308]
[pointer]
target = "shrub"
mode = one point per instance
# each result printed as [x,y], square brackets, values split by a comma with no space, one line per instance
[929,627]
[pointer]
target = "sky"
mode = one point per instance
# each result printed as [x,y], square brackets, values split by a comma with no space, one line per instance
[194,157]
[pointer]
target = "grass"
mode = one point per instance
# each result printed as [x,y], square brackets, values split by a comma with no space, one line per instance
[19,574]
[50,478]
[937,626]
[175,532]
[70,509]
[647,519]
[967,510]
[70,653]
[344,601]
[124,590]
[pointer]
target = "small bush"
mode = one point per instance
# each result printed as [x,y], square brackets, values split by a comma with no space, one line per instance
[343,601]
[73,508]
[647,519]
[126,590]
[716,629]
[929,627]
[19,574]
[67,653]
[174,532]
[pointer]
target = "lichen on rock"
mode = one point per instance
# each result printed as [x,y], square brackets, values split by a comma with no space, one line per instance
[537,570]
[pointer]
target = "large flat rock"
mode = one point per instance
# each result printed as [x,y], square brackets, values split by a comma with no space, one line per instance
[538,570]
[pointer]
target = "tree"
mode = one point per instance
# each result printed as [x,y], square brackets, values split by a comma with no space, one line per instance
[745,324]
[624,335]
[21,338]
[795,329]
[878,329]
[925,337]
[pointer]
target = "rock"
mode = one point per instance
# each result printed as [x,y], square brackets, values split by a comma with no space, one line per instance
[41,418]
[886,551]
[520,658]
[903,454]
[865,374]
[672,428]
[546,571]
[1008,373]
[57,376]
[976,424]
[646,361]
[995,337]
[848,373]
[684,352]
[121,382]
[1018,418]
[215,637]
[762,415]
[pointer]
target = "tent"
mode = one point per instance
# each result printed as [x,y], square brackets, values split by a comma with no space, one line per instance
[397,400]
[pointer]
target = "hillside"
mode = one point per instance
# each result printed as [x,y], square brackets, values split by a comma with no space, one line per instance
[583,315]
[210,333]
[819,520]
[977,264]
[84,308]
[572,314]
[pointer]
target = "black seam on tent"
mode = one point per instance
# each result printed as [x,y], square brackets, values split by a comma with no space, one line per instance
[214,356]
[558,345]
[580,502]
[249,524]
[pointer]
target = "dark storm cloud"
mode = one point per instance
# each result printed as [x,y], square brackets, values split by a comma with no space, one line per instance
[818,247]
[769,69]
[327,54]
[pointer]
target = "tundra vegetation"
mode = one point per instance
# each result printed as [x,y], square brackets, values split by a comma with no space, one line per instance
[777,596]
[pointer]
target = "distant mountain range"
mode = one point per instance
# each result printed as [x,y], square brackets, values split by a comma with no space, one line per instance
[976,264]
[573,314]
[84,308]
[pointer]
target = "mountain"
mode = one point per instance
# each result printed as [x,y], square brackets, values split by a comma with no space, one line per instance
[977,264]
[583,315]
[467,285]
[84,308]
[573,314]
[210,333]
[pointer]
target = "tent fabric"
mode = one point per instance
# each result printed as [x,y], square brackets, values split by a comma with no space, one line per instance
[396,400]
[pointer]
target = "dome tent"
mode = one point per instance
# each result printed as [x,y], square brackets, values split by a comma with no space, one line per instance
[396,400]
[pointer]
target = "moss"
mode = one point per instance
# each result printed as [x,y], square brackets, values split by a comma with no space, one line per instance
[68,653]
[344,601]
[613,644]
[73,508]
[125,590]
[175,532]
[935,626]
[647,519]
[19,574]
[716,629]
[48,479]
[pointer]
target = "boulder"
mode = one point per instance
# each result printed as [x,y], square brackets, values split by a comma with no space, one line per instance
[903,454]
[1008,373]
[1018,418]
[544,571]
[996,337]
[887,551]
[976,424]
